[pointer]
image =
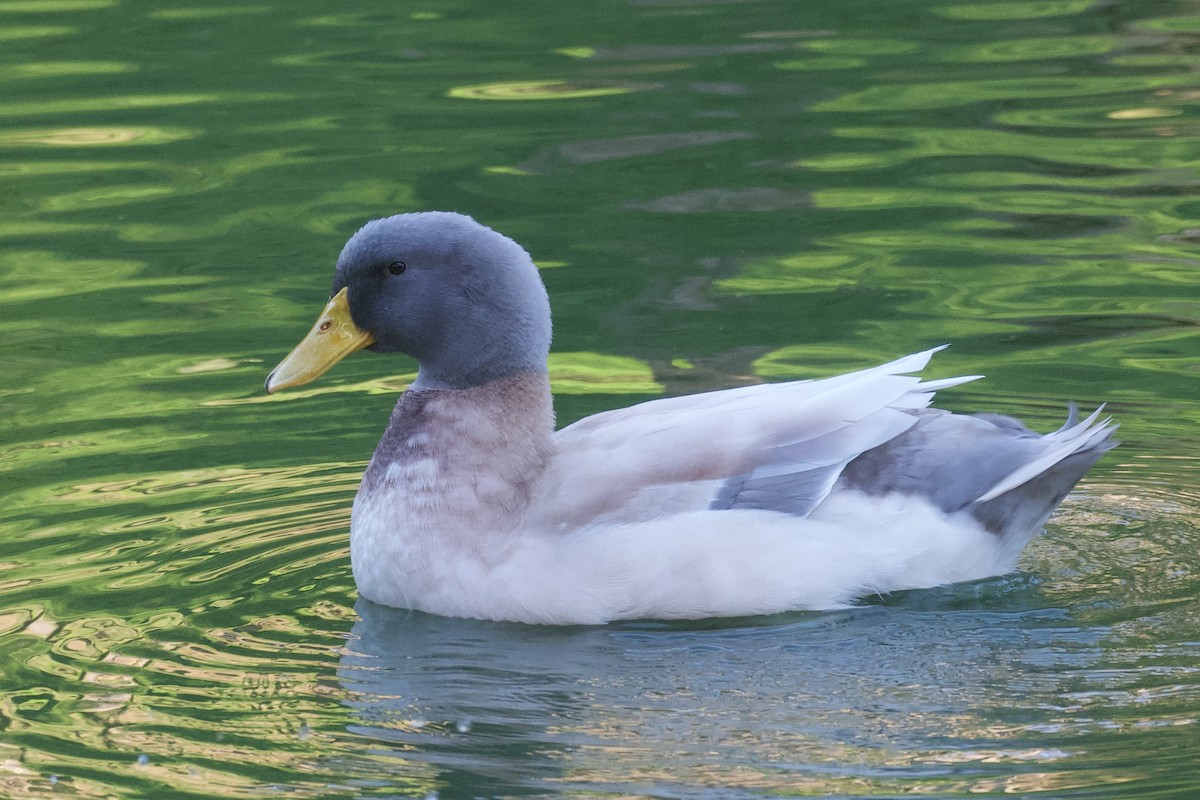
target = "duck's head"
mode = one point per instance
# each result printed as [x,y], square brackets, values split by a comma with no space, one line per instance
[463,300]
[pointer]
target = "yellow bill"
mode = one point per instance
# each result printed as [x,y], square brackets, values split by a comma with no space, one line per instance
[332,338]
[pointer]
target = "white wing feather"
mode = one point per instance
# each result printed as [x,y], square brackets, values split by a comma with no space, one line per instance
[777,446]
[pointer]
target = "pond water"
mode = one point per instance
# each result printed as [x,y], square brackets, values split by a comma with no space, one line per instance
[718,192]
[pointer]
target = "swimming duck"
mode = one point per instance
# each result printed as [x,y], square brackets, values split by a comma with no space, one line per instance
[752,500]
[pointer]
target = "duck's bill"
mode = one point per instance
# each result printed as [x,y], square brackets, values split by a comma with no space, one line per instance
[332,338]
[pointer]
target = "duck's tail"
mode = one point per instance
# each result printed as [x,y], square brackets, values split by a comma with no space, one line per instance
[990,466]
[1018,505]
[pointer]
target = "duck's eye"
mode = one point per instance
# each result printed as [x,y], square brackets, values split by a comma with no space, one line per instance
[397,267]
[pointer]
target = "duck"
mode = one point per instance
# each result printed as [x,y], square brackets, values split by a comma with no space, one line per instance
[806,495]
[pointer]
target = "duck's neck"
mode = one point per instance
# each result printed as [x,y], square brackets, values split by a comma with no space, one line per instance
[465,457]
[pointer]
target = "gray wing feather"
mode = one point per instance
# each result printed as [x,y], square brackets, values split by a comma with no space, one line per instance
[797,476]
[1004,474]
[793,493]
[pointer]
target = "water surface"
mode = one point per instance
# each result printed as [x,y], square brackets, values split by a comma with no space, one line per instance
[718,193]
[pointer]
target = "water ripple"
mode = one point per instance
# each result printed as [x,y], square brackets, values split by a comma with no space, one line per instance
[728,192]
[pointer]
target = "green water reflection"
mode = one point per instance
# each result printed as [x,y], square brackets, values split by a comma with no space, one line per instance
[717,193]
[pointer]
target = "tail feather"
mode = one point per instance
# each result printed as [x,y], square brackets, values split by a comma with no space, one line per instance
[1019,505]
[1072,438]
[991,466]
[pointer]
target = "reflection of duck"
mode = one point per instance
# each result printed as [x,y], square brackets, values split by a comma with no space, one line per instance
[756,706]
[744,501]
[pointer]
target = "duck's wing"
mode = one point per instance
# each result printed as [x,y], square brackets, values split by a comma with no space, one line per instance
[772,446]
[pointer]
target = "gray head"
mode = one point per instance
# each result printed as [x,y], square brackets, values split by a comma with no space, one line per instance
[462,299]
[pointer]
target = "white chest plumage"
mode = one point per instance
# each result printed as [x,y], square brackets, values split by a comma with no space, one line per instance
[447,489]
